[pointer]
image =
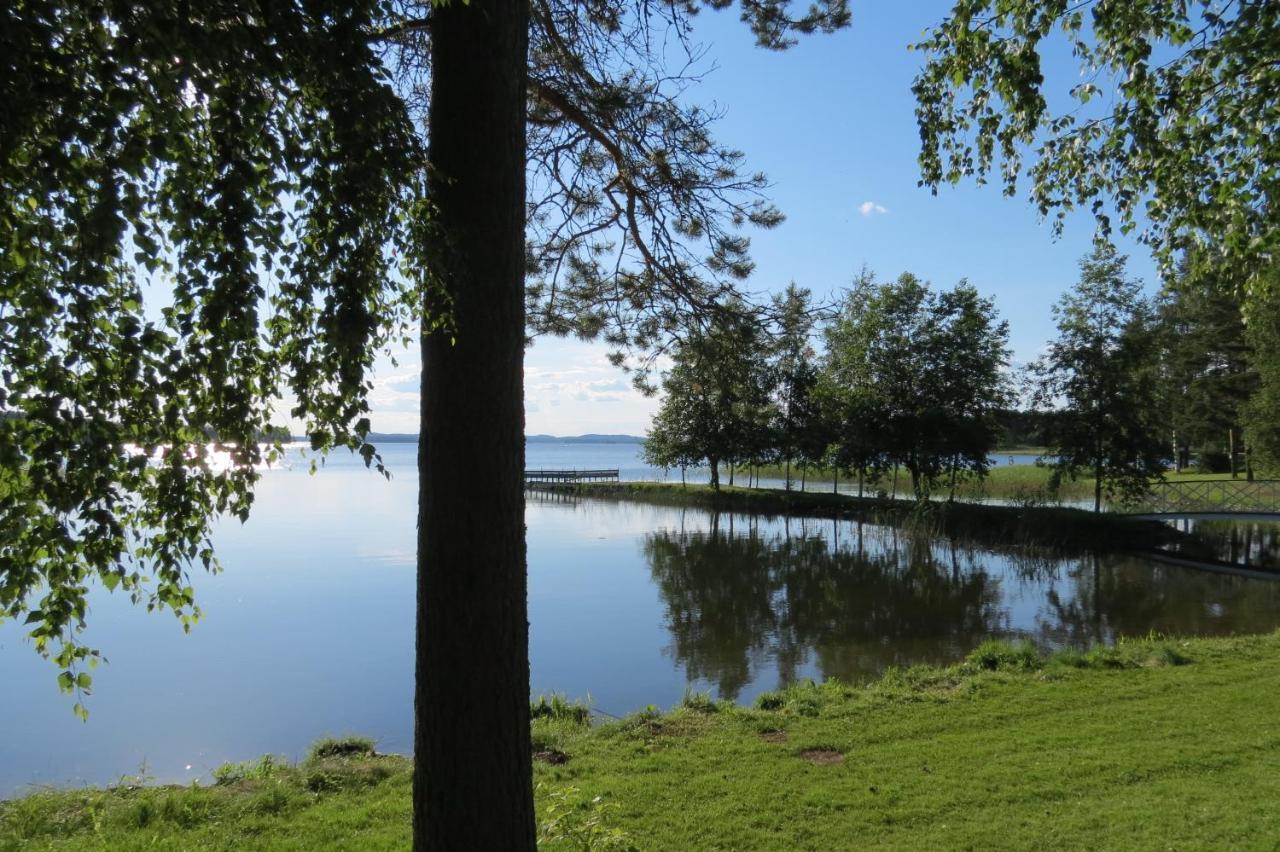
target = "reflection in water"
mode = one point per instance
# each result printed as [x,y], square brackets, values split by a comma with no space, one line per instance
[852,599]
[1247,543]
[628,603]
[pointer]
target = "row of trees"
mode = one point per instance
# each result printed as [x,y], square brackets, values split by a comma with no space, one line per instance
[910,377]
[919,379]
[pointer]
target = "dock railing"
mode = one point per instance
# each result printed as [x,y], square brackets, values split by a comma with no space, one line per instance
[563,478]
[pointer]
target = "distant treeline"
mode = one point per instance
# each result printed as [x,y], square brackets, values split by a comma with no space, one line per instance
[911,378]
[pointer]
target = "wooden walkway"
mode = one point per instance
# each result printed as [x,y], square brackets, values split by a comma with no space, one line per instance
[1211,497]
[567,478]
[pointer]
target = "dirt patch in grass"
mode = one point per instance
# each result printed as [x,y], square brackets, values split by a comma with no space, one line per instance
[774,736]
[822,756]
[555,757]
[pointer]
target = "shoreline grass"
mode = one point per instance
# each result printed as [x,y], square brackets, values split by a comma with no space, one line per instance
[1151,743]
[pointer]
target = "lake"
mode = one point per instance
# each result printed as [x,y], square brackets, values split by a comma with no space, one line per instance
[309,630]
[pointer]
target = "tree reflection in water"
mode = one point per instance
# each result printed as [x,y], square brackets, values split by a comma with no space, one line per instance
[851,599]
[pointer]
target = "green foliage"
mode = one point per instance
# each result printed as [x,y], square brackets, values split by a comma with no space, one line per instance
[1172,119]
[637,211]
[915,377]
[716,407]
[571,821]
[1262,413]
[1103,371]
[256,171]
[798,431]
[1210,368]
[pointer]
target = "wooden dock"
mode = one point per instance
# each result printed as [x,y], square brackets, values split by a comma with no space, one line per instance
[567,478]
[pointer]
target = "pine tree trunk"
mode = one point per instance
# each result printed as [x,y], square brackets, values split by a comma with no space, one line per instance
[472,770]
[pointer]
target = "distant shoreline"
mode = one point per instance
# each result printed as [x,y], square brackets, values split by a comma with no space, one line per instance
[410,438]
[590,438]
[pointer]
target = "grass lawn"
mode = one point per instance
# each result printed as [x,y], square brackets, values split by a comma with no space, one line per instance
[1155,744]
[1021,483]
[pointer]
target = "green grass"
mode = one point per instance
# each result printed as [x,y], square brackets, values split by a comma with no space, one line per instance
[1151,744]
[1022,483]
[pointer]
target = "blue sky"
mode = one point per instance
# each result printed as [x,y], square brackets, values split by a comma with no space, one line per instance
[832,123]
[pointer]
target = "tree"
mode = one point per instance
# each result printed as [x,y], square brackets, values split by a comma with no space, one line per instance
[190,134]
[794,376]
[714,392]
[261,167]
[1172,119]
[1262,413]
[1208,363]
[919,377]
[1103,371]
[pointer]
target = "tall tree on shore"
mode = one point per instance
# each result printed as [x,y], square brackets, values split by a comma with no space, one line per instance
[794,377]
[715,390]
[184,130]
[1262,413]
[920,376]
[1103,371]
[1208,363]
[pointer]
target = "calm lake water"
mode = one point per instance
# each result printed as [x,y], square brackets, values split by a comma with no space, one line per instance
[309,630]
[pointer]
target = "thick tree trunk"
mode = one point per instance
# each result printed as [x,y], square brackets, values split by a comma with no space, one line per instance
[473,771]
[715,473]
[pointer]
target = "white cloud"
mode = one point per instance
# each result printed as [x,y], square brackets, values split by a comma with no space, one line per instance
[866,208]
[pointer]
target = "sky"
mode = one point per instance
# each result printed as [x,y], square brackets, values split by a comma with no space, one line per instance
[831,122]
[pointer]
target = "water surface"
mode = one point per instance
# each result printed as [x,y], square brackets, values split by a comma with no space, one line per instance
[309,631]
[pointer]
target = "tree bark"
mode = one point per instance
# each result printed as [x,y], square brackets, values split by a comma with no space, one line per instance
[473,771]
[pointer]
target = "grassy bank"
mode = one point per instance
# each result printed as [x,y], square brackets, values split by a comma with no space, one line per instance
[1153,744]
[1022,483]
[1059,528]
